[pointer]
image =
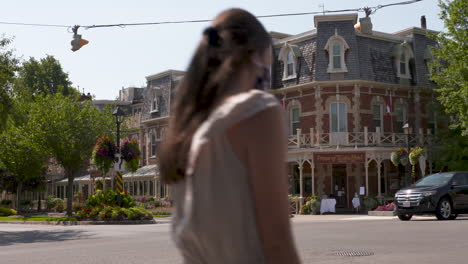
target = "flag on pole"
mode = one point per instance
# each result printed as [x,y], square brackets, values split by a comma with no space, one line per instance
[389,107]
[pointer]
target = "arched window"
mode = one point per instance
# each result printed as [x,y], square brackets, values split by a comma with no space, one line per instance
[336,47]
[403,54]
[289,55]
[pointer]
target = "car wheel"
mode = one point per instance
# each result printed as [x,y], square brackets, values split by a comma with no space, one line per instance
[405,217]
[453,217]
[444,209]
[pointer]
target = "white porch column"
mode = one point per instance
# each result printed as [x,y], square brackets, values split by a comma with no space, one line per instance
[379,180]
[366,137]
[367,178]
[312,138]
[301,182]
[312,166]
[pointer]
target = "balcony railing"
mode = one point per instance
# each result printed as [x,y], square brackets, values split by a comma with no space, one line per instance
[316,139]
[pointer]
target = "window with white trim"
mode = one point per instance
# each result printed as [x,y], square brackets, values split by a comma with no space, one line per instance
[289,55]
[339,118]
[377,114]
[403,54]
[290,65]
[294,117]
[336,47]
[155,104]
[153,144]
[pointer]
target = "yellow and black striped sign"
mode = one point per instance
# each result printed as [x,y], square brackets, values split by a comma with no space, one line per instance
[118,182]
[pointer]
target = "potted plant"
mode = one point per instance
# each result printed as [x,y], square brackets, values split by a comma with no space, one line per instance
[104,154]
[399,156]
[130,152]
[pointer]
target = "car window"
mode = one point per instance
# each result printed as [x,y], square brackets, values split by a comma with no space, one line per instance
[435,179]
[460,179]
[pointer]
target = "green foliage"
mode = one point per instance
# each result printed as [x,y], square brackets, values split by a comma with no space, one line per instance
[8,67]
[55,204]
[5,202]
[130,151]
[370,202]
[7,212]
[452,151]
[450,67]
[399,156]
[68,129]
[39,218]
[43,77]
[109,198]
[104,154]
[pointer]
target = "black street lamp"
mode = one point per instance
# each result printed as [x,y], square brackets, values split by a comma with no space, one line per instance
[407,131]
[119,115]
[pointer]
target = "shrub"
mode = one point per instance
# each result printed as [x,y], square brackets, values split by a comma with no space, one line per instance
[5,202]
[129,214]
[56,204]
[7,212]
[117,213]
[25,202]
[109,197]
[105,213]
[370,203]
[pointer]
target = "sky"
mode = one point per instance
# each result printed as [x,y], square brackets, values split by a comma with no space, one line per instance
[122,57]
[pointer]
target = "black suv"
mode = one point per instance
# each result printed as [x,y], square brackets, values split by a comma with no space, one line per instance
[443,194]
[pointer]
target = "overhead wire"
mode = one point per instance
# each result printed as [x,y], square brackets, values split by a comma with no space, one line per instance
[363,9]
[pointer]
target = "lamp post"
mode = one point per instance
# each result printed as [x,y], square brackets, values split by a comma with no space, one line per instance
[406,129]
[118,114]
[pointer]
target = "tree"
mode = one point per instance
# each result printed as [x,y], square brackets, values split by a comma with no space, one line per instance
[452,151]
[8,67]
[21,157]
[43,77]
[69,130]
[450,65]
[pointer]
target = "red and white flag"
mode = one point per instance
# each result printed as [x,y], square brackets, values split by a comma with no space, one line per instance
[389,107]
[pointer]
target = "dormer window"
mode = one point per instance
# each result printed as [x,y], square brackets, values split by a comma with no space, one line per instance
[290,66]
[336,47]
[289,55]
[403,54]
[154,104]
[403,64]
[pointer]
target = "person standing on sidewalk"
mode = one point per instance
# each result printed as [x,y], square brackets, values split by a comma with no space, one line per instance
[225,150]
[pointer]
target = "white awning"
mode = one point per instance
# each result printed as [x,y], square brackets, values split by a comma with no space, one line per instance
[145,171]
[83,179]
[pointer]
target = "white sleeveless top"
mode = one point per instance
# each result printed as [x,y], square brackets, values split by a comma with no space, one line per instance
[213,218]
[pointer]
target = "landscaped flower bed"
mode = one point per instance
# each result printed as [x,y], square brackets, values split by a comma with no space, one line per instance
[103,206]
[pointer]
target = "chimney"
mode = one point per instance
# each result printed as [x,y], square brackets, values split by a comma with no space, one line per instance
[423,22]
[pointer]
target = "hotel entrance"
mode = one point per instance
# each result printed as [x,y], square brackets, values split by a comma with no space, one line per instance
[339,184]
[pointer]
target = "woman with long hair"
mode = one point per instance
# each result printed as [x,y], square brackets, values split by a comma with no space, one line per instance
[225,149]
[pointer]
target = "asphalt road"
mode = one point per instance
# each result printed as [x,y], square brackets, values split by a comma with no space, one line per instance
[318,238]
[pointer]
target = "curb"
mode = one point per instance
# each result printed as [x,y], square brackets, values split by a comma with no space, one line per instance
[382,213]
[70,223]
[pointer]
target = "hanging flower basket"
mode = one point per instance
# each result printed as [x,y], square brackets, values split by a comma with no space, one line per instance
[104,154]
[415,154]
[399,156]
[130,152]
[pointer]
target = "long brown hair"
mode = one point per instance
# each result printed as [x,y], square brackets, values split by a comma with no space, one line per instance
[226,47]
